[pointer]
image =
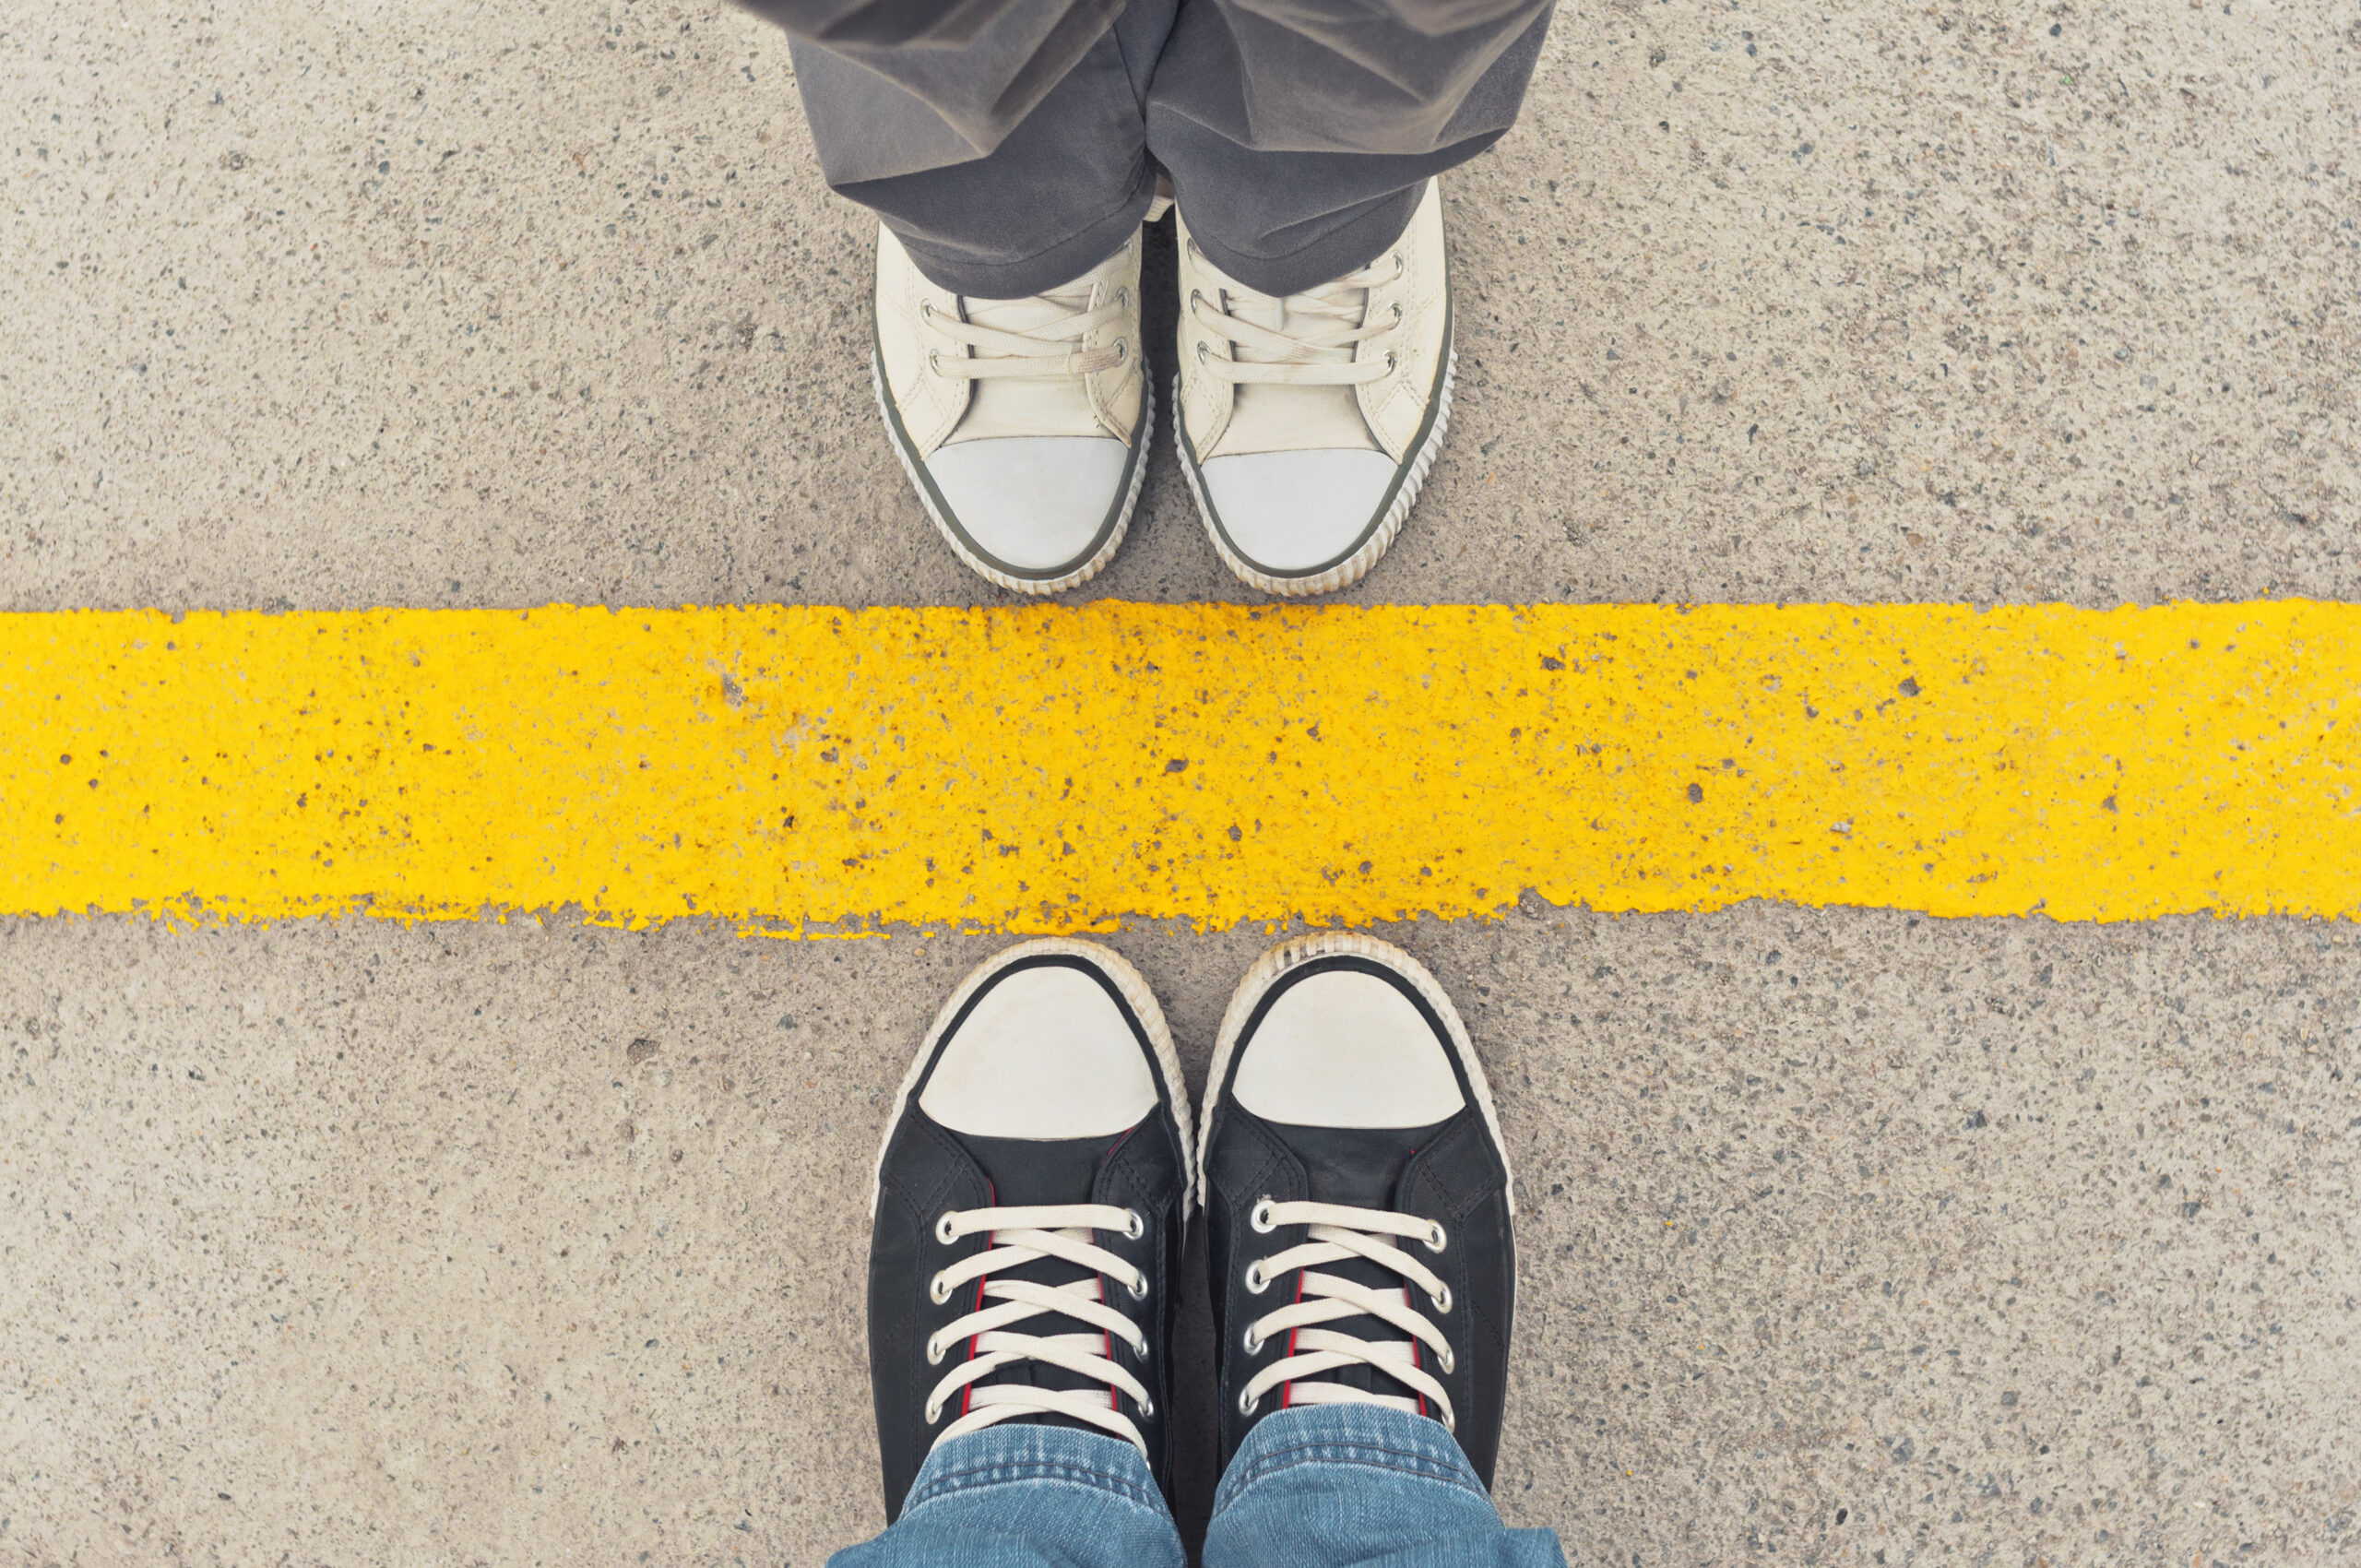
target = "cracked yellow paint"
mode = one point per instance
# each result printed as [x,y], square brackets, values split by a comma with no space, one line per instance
[1054,768]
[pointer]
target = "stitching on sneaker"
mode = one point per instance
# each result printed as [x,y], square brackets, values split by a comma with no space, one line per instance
[972,556]
[1355,566]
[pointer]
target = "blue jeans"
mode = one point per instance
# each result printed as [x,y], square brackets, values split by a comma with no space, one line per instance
[1320,1486]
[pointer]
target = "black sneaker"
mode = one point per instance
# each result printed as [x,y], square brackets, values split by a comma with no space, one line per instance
[1027,1213]
[1353,1173]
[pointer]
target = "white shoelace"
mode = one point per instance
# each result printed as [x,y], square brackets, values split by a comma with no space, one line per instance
[1305,339]
[1038,349]
[1336,1232]
[1021,1236]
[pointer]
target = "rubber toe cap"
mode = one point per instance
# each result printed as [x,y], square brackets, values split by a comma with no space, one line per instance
[1044,1053]
[1347,1049]
[1297,511]
[1035,504]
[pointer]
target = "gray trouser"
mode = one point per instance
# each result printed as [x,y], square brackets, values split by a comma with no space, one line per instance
[1013,144]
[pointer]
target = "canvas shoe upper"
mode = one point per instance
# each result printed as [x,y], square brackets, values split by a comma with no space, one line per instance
[1023,423]
[1031,1192]
[1306,424]
[1359,1198]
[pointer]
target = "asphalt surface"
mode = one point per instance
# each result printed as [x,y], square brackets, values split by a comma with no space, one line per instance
[1848,1236]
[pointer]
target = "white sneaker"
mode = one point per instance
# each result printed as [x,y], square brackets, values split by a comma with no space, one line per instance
[1306,424]
[1022,423]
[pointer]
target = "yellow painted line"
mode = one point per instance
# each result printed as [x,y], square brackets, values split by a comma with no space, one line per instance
[1058,769]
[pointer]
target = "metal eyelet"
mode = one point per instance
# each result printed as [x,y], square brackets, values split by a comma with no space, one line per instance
[1147,1407]
[1201,353]
[1195,297]
[1436,1236]
[943,1231]
[1123,296]
[1397,313]
[938,1290]
[934,361]
[1260,1217]
[1253,1343]
[1135,1227]
[1400,267]
[926,310]
[933,1413]
[1246,1406]
[936,1351]
[1446,1357]
[1122,350]
[1391,359]
[1256,1280]
[1139,1288]
[1442,1299]
[1139,1349]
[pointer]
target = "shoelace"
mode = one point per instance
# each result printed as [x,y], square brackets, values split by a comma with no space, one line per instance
[1021,1236]
[1052,348]
[1303,339]
[1336,1232]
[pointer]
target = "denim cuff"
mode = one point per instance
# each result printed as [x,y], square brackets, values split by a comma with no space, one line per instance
[1017,1453]
[1374,1436]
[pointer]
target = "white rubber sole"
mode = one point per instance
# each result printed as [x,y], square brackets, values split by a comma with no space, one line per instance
[1293,953]
[985,569]
[1128,981]
[1354,567]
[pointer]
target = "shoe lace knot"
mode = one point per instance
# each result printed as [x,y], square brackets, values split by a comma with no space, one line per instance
[1021,1236]
[1334,1232]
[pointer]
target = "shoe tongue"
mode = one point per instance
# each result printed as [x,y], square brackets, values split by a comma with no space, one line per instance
[1274,312]
[1362,1168]
[1277,418]
[1026,1172]
[1028,314]
[1003,407]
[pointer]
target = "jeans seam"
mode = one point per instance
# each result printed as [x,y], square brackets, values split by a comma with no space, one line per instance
[1008,1472]
[1430,1468]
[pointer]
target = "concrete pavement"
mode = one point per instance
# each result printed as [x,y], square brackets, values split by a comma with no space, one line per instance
[1849,1236]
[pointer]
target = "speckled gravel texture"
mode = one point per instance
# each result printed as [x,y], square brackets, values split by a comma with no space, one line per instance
[1849,1237]
[455,305]
[491,1243]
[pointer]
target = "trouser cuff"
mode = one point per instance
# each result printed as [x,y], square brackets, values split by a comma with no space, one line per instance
[1357,1486]
[1014,1453]
[1346,247]
[1364,1436]
[962,272]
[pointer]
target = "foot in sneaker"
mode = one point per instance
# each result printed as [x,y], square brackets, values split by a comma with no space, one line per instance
[1354,1177]
[1307,423]
[1023,423]
[1027,1214]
